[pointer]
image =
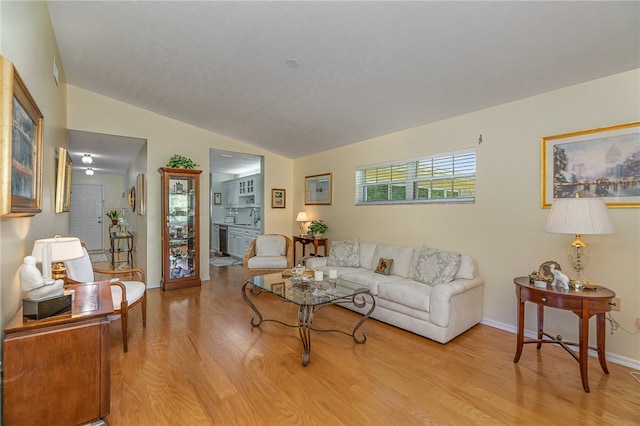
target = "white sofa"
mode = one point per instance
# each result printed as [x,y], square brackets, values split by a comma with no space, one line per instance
[429,292]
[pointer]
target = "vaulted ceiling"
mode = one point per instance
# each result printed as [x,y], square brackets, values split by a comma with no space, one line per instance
[297,78]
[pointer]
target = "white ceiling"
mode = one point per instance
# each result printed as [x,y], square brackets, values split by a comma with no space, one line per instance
[364,69]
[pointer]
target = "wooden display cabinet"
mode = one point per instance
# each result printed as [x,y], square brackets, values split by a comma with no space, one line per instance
[181,228]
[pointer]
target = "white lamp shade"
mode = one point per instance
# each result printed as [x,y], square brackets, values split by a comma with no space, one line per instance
[302,217]
[62,248]
[585,216]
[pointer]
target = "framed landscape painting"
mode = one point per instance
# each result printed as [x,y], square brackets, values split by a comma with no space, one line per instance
[317,189]
[603,162]
[21,149]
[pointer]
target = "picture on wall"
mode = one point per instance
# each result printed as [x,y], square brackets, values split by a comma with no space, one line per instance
[21,149]
[63,180]
[603,162]
[317,189]
[140,199]
[278,199]
[217,198]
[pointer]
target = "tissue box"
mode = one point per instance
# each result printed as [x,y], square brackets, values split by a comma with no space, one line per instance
[44,308]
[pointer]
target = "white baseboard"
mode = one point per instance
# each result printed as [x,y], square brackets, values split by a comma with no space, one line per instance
[615,358]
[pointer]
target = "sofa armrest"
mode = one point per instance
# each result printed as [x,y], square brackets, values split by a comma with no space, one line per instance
[442,295]
[316,262]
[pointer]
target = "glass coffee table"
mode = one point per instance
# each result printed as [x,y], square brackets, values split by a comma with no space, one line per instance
[310,300]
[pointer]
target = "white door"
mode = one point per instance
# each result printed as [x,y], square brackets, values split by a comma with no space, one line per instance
[86,215]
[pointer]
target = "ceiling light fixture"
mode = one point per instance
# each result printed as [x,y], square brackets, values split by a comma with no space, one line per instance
[86,159]
[89,171]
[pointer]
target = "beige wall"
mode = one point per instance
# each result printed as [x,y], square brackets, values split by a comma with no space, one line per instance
[91,112]
[27,40]
[503,230]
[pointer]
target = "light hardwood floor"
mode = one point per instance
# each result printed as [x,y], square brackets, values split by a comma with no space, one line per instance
[199,362]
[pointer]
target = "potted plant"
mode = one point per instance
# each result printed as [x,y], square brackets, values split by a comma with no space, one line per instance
[181,162]
[113,215]
[318,227]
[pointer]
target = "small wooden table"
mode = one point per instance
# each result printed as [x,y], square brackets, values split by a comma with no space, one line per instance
[584,304]
[317,242]
[56,370]
[116,236]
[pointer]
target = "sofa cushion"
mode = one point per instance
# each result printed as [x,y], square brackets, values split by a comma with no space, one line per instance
[407,293]
[436,266]
[344,253]
[384,266]
[271,245]
[367,278]
[401,258]
[467,269]
[366,255]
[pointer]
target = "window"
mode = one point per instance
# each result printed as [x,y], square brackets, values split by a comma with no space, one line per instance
[442,178]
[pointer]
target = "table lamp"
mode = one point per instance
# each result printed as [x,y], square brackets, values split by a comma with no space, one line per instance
[52,252]
[579,216]
[302,218]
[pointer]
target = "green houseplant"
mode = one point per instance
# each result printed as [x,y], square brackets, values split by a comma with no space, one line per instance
[181,162]
[318,227]
[113,215]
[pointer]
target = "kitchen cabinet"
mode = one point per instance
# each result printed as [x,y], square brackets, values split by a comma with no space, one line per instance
[243,192]
[181,228]
[239,240]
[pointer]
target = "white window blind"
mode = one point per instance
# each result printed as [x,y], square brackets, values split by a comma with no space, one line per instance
[442,178]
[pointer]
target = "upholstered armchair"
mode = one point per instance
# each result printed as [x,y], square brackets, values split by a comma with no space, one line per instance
[268,254]
[125,294]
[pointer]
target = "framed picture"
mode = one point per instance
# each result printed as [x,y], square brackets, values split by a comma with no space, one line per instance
[132,198]
[140,199]
[63,180]
[602,162]
[278,288]
[317,189]
[217,198]
[21,151]
[278,198]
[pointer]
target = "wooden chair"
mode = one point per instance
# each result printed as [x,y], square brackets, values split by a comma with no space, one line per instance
[125,294]
[268,254]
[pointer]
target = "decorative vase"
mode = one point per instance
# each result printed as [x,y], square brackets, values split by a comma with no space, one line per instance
[317,236]
[114,221]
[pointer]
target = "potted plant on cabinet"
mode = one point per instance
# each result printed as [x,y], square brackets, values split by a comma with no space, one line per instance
[113,215]
[181,162]
[318,227]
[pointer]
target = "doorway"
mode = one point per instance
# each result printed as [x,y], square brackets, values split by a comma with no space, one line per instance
[85,214]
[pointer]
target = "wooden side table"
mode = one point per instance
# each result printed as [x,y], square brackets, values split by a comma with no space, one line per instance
[56,370]
[584,304]
[317,242]
[115,236]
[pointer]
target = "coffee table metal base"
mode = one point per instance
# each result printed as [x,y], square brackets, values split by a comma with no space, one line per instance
[306,314]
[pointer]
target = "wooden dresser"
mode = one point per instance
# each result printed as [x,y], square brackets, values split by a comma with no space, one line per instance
[56,370]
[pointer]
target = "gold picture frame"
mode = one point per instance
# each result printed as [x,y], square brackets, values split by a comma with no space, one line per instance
[21,149]
[140,199]
[318,189]
[64,165]
[600,162]
[278,198]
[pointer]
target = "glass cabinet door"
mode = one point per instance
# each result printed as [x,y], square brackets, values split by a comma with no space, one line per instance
[181,225]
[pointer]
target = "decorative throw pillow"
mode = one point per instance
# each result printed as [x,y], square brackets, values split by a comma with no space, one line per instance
[436,266]
[384,266]
[344,253]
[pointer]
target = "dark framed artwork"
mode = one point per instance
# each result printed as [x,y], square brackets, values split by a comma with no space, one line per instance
[603,162]
[317,189]
[278,198]
[63,180]
[217,198]
[21,151]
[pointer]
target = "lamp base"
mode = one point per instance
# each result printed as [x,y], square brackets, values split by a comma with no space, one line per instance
[44,308]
